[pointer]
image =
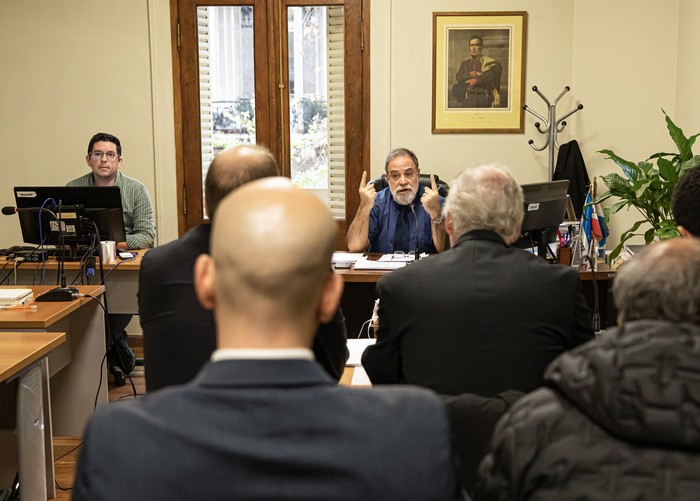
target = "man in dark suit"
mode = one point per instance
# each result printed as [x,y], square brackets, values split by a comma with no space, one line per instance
[482,317]
[262,420]
[178,333]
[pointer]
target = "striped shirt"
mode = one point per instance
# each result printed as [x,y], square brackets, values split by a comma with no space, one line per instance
[136,205]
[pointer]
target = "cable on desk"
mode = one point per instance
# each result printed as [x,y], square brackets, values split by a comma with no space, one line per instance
[362,329]
[7,274]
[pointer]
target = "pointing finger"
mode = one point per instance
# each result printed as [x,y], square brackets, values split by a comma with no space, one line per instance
[364,179]
[433,184]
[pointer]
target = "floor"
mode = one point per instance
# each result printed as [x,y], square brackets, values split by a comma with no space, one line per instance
[67,449]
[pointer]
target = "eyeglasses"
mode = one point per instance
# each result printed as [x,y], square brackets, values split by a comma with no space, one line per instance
[111,155]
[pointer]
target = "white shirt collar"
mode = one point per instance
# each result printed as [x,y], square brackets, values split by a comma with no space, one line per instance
[262,354]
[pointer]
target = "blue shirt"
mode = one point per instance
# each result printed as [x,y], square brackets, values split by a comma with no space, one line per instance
[382,224]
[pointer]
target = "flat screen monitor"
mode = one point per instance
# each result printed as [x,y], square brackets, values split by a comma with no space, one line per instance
[87,214]
[545,208]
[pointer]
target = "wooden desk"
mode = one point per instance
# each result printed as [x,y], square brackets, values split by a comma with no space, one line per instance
[78,377]
[121,279]
[24,370]
[604,277]
[359,294]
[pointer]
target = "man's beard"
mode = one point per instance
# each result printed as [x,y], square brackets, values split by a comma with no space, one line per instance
[404,198]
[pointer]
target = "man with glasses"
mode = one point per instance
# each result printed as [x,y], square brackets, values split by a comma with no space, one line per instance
[386,221]
[104,156]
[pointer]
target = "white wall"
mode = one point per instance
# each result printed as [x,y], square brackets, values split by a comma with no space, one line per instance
[402,46]
[72,68]
[625,72]
[687,114]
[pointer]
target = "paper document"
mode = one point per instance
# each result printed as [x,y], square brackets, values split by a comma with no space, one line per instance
[366,264]
[405,258]
[356,347]
[346,257]
[360,377]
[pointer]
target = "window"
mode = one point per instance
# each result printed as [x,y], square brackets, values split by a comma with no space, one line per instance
[300,89]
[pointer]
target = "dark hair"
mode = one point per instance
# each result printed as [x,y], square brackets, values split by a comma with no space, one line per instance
[109,138]
[227,172]
[400,152]
[477,37]
[686,201]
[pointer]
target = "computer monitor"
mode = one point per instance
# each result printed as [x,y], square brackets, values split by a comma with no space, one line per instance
[545,206]
[87,214]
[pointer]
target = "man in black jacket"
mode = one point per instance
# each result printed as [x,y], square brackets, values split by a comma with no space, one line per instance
[482,317]
[178,333]
[619,419]
[686,203]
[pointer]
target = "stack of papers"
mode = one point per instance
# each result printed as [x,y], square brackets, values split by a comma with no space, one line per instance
[14,296]
[368,264]
[346,257]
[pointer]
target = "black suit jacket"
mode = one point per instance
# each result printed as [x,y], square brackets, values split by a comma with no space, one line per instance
[179,335]
[479,318]
[252,429]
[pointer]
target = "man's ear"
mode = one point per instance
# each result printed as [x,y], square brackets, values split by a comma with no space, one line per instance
[330,297]
[87,159]
[204,287]
[515,236]
[450,229]
[684,233]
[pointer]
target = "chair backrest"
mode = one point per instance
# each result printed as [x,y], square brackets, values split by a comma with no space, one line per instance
[443,188]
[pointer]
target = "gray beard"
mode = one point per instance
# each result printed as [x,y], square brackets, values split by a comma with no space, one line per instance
[404,199]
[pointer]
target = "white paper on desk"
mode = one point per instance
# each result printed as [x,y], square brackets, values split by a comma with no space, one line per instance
[367,264]
[346,257]
[360,377]
[356,347]
[404,258]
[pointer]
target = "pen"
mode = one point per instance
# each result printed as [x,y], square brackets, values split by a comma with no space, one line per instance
[31,307]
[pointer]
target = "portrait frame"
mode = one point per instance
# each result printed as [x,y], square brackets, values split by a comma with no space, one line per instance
[490,94]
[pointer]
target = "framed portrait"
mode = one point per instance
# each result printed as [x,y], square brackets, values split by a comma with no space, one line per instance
[478,71]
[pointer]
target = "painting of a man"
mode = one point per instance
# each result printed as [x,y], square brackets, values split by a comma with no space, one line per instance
[478,79]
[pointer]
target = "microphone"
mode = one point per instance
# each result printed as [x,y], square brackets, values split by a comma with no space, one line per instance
[413,209]
[8,211]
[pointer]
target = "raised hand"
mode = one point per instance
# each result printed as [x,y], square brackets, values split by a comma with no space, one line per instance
[367,192]
[431,199]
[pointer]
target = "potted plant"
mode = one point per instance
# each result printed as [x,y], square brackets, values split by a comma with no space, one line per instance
[648,187]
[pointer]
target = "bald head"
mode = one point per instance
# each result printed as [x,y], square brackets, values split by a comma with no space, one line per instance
[661,283]
[271,258]
[234,167]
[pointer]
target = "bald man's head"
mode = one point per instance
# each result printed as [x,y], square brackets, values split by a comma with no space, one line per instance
[271,254]
[234,167]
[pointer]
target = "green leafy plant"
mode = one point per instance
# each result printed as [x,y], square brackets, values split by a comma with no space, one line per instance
[648,187]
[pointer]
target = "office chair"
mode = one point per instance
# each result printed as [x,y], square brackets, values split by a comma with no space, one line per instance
[443,188]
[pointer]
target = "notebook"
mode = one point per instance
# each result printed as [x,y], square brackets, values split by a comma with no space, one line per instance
[14,296]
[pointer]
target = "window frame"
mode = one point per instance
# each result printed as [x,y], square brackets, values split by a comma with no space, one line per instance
[272,96]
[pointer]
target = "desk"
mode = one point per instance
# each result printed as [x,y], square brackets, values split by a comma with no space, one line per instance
[604,277]
[359,294]
[24,370]
[121,279]
[75,368]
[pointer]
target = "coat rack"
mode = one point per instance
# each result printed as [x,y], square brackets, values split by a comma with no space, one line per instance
[552,126]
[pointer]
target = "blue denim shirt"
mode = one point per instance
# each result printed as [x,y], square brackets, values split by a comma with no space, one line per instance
[382,224]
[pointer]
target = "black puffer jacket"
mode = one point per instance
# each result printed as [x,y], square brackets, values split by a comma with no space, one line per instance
[620,420]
